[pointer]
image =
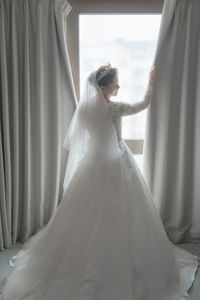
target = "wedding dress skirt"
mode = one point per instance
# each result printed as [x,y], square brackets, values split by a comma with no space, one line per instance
[106,241]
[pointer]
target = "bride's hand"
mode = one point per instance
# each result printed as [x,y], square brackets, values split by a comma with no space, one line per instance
[153,75]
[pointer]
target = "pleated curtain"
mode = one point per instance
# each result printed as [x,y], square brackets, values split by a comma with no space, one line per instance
[37,100]
[172,141]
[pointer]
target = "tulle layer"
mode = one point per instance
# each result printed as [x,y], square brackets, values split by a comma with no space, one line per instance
[106,241]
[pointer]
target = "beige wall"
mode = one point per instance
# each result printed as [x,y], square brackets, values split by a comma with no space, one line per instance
[117,6]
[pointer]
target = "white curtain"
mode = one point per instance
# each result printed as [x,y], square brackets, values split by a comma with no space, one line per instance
[37,101]
[172,141]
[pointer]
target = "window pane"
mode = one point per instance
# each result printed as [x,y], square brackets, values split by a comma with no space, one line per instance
[128,42]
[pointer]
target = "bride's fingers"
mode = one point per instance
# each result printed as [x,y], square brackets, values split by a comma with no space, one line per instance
[153,74]
[153,68]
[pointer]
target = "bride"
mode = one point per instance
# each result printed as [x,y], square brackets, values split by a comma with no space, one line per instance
[106,240]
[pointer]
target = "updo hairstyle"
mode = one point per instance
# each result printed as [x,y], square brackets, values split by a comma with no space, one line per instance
[108,78]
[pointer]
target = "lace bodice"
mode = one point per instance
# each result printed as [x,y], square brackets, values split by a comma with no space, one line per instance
[120,109]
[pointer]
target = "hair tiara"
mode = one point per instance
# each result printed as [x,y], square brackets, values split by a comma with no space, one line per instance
[105,72]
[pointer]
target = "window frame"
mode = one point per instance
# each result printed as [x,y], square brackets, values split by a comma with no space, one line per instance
[109,7]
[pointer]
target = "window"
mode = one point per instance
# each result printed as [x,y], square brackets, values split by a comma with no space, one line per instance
[127,42]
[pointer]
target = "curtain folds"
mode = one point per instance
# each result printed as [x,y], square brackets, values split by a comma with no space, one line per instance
[37,100]
[172,141]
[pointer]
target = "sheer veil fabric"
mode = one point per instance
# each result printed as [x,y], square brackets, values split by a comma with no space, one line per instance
[106,241]
[91,130]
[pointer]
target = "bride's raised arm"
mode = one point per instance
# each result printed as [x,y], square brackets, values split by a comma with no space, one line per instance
[125,109]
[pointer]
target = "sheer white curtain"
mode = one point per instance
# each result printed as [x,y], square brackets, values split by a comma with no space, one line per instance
[172,141]
[37,101]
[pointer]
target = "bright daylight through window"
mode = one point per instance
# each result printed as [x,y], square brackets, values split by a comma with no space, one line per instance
[129,43]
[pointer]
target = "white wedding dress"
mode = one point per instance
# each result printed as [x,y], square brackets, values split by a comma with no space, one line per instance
[106,240]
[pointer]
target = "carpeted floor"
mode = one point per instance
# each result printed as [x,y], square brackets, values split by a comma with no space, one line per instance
[192,247]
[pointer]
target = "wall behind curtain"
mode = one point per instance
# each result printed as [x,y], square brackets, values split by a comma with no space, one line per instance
[37,101]
[114,6]
[172,141]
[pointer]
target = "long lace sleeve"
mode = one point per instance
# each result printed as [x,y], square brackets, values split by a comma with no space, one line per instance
[125,109]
